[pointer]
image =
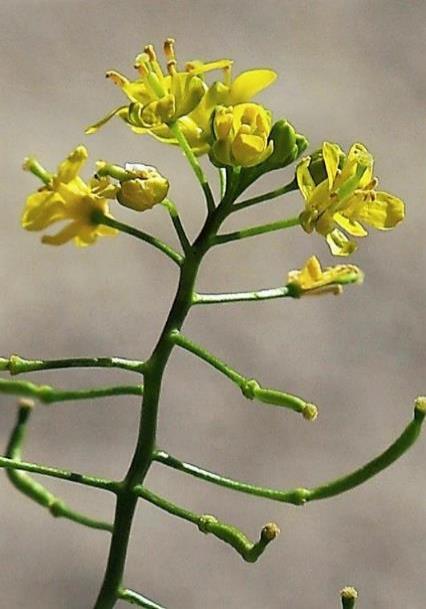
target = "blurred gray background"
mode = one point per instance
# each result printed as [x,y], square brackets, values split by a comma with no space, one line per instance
[349,70]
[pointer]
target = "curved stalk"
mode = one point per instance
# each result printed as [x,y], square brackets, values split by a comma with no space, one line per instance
[32,488]
[99,218]
[207,523]
[301,495]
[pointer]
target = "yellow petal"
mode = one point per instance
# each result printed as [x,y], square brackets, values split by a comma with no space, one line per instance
[331,154]
[136,91]
[42,209]
[350,226]
[216,95]
[66,234]
[304,178]
[87,235]
[339,244]
[70,168]
[73,193]
[247,149]
[248,84]
[384,213]
[359,155]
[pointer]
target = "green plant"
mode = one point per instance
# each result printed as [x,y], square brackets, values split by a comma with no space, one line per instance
[219,119]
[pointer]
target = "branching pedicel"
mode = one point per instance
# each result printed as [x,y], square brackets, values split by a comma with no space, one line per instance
[219,119]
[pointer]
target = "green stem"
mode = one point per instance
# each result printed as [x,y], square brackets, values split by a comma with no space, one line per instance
[300,496]
[177,223]
[273,194]
[33,489]
[99,218]
[153,375]
[249,387]
[206,523]
[269,294]
[193,161]
[256,230]
[18,365]
[48,395]
[134,598]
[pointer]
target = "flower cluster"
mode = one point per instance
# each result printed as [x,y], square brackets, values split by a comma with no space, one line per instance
[178,106]
[158,100]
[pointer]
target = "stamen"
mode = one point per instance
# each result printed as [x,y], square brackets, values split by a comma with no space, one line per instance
[150,51]
[373,184]
[142,64]
[117,78]
[171,66]
[169,49]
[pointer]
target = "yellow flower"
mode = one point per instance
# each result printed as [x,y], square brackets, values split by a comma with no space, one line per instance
[228,93]
[157,100]
[241,135]
[144,189]
[347,198]
[66,196]
[312,280]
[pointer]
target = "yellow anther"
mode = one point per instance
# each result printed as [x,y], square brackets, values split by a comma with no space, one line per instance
[171,66]
[117,78]
[142,64]
[150,52]
[169,49]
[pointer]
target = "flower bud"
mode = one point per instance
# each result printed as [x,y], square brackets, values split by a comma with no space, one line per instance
[241,135]
[288,145]
[144,188]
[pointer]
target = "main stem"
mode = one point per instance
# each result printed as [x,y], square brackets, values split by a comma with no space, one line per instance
[153,375]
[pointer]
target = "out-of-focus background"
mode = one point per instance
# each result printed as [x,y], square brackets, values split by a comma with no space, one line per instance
[349,71]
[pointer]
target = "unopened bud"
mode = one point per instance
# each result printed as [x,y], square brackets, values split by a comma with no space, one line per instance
[310,412]
[144,190]
[348,595]
[270,531]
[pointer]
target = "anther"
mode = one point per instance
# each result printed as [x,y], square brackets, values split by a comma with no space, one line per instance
[140,64]
[150,51]
[117,78]
[169,49]
[171,66]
